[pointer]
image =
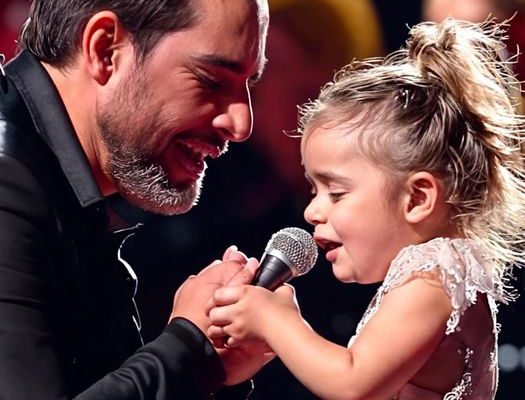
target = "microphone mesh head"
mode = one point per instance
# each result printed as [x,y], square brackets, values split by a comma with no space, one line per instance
[296,244]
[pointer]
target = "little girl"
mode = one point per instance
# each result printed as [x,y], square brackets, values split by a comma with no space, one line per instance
[417,179]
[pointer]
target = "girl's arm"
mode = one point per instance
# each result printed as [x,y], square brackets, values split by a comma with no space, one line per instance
[393,346]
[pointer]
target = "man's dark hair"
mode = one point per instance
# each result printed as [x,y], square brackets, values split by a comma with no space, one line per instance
[54,27]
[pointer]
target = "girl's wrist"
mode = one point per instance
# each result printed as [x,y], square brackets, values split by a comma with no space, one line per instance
[275,320]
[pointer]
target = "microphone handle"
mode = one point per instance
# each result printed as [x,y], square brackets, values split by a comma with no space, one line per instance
[272,273]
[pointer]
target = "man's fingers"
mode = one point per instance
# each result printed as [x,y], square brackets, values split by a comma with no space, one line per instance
[252,265]
[210,305]
[214,263]
[228,251]
[245,276]
[220,272]
[233,254]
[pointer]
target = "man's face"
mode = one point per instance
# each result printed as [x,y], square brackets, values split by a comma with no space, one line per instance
[183,104]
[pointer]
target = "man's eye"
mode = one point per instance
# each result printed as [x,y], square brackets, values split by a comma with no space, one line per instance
[209,83]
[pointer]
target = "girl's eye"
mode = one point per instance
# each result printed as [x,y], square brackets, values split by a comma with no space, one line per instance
[335,196]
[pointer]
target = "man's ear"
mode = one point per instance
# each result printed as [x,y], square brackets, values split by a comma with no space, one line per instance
[103,39]
[423,190]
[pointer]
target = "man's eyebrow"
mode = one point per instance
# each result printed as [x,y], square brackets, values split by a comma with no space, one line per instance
[221,62]
[230,65]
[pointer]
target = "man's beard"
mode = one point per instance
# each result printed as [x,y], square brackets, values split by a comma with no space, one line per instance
[138,176]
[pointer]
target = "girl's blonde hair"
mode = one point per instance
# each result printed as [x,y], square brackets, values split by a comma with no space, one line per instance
[445,103]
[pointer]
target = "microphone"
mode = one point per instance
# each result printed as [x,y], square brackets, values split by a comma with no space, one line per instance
[290,252]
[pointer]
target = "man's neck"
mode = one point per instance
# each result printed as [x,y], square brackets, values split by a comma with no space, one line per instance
[79,97]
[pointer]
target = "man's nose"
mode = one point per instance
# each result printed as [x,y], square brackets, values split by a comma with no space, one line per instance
[236,119]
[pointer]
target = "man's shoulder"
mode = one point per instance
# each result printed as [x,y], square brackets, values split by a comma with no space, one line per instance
[23,144]
[18,135]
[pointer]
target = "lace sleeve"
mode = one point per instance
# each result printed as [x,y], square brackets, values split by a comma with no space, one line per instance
[462,268]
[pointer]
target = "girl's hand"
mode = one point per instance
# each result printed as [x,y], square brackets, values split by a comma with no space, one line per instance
[250,313]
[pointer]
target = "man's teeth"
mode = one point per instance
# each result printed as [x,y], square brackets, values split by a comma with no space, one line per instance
[198,150]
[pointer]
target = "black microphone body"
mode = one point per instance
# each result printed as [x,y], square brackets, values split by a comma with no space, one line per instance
[272,273]
[289,253]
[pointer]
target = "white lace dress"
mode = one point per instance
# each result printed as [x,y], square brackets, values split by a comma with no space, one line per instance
[464,271]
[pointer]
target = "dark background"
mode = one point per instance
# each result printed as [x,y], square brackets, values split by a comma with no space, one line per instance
[257,188]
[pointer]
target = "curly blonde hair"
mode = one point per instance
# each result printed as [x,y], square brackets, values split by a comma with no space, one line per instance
[445,103]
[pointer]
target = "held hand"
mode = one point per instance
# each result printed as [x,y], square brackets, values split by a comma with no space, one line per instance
[246,313]
[192,298]
[232,253]
[244,356]
[243,277]
[243,362]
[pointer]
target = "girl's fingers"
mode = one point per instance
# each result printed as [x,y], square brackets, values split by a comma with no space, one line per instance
[220,315]
[231,343]
[285,290]
[227,295]
[215,332]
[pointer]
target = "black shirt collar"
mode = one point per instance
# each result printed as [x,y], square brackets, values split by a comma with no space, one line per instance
[53,124]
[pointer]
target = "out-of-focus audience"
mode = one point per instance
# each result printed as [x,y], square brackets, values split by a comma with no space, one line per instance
[307,42]
[12,16]
[479,10]
[469,10]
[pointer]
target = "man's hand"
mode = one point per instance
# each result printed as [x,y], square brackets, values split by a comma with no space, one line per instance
[243,362]
[192,298]
[193,302]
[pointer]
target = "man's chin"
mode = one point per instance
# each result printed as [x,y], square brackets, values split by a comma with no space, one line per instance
[171,210]
[165,203]
[166,209]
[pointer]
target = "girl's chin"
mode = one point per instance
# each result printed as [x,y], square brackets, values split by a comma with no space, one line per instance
[343,276]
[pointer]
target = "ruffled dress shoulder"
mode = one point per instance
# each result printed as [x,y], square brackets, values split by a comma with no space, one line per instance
[464,271]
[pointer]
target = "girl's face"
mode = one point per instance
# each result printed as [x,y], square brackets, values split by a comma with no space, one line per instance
[358,227]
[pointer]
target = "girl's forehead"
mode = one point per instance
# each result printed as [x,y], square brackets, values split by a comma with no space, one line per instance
[344,136]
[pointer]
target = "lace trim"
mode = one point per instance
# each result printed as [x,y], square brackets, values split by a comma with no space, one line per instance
[463,268]
[464,388]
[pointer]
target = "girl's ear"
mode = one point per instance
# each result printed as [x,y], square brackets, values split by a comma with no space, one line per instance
[423,190]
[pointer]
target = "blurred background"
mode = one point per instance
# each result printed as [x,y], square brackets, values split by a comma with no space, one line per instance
[259,188]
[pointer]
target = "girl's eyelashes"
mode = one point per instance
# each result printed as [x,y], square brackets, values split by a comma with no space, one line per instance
[335,196]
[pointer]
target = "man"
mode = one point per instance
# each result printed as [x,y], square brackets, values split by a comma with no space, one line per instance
[111,96]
